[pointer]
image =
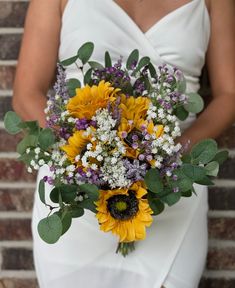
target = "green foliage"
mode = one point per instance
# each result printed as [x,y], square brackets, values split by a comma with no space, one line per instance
[152,69]
[75,211]
[155,204]
[27,141]
[107,60]
[133,57]
[85,51]
[50,229]
[11,122]
[205,181]
[95,65]
[72,85]
[212,168]
[171,198]
[87,76]
[31,127]
[181,86]
[195,103]
[66,220]
[184,183]
[88,204]
[46,138]
[195,173]
[153,181]
[221,156]
[41,190]
[91,190]
[204,151]
[69,61]
[65,191]
[142,63]
[181,113]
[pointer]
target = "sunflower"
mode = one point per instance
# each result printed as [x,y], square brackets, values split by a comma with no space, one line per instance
[124,212]
[77,146]
[134,108]
[91,98]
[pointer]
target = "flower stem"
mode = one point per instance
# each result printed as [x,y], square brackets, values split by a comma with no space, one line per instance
[125,248]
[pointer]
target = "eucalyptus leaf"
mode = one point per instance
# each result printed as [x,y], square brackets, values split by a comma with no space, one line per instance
[76,211]
[142,63]
[91,190]
[26,142]
[221,156]
[50,229]
[171,198]
[87,76]
[195,173]
[107,59]
[67,192]
[11,122]
[72,85]
[212,168]
[69,61]
[152,70]
[153,181]
[46,138]
[31,126]
[156,205]
[88,204]
[181,113]
[66,220]
[204,151]
[133,57]
[41,190]
[205,181]
[95,65]
[186,193]
[85,51]
[195,103]
[182,85]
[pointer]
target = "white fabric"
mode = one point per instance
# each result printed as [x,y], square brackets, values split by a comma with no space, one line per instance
[174,251]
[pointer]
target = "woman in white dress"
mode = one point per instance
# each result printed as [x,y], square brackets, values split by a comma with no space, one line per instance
[182,33]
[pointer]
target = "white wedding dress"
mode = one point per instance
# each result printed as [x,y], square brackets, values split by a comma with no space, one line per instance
[174,251]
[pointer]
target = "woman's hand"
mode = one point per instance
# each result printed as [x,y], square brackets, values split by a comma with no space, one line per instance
[37,60]
[220,113]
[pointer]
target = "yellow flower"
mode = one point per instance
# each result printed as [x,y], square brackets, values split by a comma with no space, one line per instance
[134,108]
[124,212]
[77,145]
[89,99]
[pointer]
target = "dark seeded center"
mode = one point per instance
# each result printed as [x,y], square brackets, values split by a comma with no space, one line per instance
[123,207]
[133,132]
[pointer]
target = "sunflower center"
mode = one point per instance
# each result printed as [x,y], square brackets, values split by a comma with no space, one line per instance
[133,136]
[123,207]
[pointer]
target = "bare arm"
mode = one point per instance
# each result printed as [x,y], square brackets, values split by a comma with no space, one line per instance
[37,59]
[220,113]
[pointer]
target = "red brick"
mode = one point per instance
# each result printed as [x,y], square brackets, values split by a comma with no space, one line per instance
[221,258]
[10,46]
[15,229]
[20,200]
[12,14]
[18,283]
[5,106]
[221,198]
[9,142]
[17,259]
[227,139]
[217,283]
[227,170]
[222,228]
[13,170]
[7,74]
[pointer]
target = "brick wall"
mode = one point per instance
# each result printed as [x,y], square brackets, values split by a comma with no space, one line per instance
[17,187]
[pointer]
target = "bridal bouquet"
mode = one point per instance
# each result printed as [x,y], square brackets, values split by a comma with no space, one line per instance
[110,144]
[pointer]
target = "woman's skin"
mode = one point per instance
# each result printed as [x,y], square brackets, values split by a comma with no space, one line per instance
[39,52]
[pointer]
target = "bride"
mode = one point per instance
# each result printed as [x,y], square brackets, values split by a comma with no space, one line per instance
[183,33]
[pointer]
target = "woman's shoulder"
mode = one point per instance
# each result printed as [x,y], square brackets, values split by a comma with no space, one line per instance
[63,4]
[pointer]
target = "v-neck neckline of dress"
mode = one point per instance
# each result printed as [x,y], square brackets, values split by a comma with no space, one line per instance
[158,22]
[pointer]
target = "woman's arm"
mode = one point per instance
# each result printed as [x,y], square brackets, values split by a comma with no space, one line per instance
[220,113]
[37,60]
